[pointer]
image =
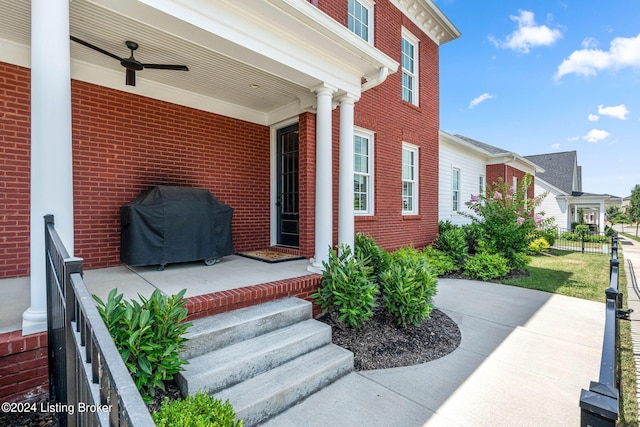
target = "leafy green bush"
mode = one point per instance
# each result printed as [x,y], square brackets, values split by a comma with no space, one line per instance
[371,254]
[451,240]
[439,262]
[473,237]
[537,246]
[549,234]
[485,266]
[590,238]
[408,287]
[148,335]
[200,410]
[346,288]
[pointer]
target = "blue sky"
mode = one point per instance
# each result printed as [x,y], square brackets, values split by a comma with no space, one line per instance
[537,77]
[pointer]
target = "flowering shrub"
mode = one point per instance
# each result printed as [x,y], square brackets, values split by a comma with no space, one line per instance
[508,219]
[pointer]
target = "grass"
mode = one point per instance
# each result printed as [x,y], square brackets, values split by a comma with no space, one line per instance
[587,276]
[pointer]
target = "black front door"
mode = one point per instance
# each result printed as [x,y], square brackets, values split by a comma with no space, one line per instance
[287,191]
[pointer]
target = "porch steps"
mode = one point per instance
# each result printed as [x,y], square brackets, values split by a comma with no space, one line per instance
[263,358]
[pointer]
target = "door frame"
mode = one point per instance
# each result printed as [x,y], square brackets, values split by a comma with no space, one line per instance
[274,175]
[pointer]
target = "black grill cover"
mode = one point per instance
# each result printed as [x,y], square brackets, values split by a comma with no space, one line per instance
[174,224]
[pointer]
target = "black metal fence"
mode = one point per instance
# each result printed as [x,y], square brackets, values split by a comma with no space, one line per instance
[600,404]
[588,243]
[88,381]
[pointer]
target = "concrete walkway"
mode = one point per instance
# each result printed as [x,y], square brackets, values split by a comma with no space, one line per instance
[631,254]
[524,357]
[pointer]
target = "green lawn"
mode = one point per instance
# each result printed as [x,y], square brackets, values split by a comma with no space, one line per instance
[587,276]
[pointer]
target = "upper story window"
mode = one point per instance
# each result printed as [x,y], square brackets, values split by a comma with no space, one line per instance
[409,67]
[409,179]
[360,19]
[455,189]
[363,172]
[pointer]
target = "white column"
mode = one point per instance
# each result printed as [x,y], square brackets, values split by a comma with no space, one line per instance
[51,154]
[346,222]
[324,176]
[601,222]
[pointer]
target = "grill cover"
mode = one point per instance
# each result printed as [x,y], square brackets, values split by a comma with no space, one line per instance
[174,224]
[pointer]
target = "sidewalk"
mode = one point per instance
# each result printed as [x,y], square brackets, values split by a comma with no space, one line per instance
[631,254]
[524,357]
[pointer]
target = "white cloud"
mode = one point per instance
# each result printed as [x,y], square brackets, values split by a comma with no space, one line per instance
[617,112]
[595,135]
[479,99]
[555,146]
[528,34]
[593,117]
[623,52]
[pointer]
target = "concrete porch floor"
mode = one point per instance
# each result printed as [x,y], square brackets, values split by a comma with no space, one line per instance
[232,272]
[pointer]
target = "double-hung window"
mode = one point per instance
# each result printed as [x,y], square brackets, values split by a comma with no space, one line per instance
[360,19]
[409,179]
[455,189]
[481,185]
[409,67]
[363,172]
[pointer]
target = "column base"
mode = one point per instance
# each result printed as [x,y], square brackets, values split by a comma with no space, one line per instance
[315,267]
[34,321]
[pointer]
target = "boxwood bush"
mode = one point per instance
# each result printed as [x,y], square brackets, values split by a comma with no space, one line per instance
[485,266]
[200,410]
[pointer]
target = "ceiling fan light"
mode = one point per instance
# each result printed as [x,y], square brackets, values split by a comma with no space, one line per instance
[131,77]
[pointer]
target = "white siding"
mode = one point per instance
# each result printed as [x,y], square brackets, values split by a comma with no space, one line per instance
[551,205]
[471,166]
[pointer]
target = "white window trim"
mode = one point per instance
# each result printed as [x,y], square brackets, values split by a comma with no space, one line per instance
[455,192]
[482,185]
[416,151]
[368,4]
[416,68]
[365,133]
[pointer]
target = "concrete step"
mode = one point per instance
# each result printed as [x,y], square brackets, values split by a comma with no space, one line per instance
[266,395]
[214,332]
[243,360]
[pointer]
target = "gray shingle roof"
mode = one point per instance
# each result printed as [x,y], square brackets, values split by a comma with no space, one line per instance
[559,169]
[490,148]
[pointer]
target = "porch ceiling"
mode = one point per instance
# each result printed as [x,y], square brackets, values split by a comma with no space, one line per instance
[244,58]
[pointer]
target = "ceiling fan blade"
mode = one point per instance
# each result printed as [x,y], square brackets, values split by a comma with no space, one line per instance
[96,48]
[166,67]
[131,77]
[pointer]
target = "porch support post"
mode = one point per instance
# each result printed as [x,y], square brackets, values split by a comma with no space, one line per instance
[51,151]
[346,222]
[324,177]
[601,212]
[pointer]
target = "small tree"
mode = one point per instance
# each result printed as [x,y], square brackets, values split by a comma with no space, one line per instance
[634,206]
[508,219]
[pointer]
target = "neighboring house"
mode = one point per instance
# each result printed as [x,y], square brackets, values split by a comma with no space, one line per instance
[562,180]
[313,120]
[467,166]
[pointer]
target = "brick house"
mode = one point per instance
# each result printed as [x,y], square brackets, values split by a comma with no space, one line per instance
[349,89]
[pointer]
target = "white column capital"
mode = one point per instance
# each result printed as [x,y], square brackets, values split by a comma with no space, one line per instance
[324,89]
[348,98]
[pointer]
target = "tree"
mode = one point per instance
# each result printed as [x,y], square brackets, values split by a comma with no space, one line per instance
[616,216]
[634,206]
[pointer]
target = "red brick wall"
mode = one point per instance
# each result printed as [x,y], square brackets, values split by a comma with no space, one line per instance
[24,373]
[122,144]
[507,173]
[394,121]
[15,135]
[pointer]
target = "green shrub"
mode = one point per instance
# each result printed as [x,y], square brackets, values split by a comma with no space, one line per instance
[485,266]
[346,288]
[451,240]
[549,234]
[408,287]
[439,262]
[200,410]
[473,237]
[148,335]
[371,254]
[539,245]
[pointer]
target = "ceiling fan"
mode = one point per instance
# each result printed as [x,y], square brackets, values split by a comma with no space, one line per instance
[131,64]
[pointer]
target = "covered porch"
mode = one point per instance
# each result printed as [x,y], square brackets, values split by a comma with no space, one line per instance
[592,207]
[96,142]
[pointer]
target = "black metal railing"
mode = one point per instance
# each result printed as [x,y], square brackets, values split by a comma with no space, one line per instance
[586,242]
[89,384]
[600,404]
